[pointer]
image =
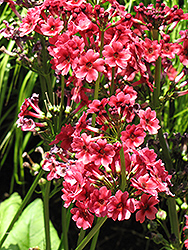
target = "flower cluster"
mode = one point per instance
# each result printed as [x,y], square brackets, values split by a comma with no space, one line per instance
[106,168]
[111,41]
[93,159]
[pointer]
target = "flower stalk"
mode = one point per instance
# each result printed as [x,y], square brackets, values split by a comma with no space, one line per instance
[174,222]
[46,215]
[91,234]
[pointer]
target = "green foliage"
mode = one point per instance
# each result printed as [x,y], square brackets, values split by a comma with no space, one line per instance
[29,229]
[8,209]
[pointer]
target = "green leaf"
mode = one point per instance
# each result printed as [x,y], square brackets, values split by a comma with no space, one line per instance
[28,232]
[8,209]
[11,247]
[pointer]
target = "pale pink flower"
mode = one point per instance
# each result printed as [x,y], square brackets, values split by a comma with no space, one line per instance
[89,66]
[82,216]
[52,27]
[120,207]
[116,55]
[148,120]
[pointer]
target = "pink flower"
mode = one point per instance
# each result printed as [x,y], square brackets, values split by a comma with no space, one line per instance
[29,22]
[146,184]
[82,216]
[120,207]
[170,50]
[89,66]
[97,106]
[33,103]
[147,209]
[98,201]
[82,22]
[26,124]
[64,59]
[133,136]
[81,145]
[185,234]
[184,53]
[116,55]
[148,121]
[152,50]
[56,168]
[102,153]
[186,243]
[52,27]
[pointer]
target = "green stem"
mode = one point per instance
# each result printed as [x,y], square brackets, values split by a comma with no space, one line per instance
[97,84]
[46,215]
[157,90]
[62,100]
[66,217]
[123,170]
[24,203]
[174,223]
[65,229]
[95,238]
[81,236]
[91,233]
[49,86]
[171,201]
[112,82]
[46,70]
[102,43]
[43,86]
[165,151]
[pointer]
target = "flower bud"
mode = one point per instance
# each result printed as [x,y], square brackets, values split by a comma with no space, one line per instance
[161,214]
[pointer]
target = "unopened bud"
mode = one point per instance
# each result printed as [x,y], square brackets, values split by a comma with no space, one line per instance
[184,206]
[158,238]
[161,214]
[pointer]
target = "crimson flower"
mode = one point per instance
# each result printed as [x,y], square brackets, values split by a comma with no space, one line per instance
[147,209]
[64,136]
[116,55]
[89,66]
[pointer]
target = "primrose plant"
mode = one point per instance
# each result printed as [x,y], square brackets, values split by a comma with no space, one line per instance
[115,72]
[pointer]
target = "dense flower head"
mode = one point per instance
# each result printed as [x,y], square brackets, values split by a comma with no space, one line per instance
[93,178]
